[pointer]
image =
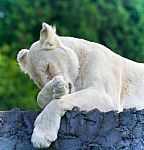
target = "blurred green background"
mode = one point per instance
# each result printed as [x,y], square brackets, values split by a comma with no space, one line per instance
[117,24]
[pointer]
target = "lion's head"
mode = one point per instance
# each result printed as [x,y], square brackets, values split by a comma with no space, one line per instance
[48,58]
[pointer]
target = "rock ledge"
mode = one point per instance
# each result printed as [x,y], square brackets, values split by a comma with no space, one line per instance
[91,130]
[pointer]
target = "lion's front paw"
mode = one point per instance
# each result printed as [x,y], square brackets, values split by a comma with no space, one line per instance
[46,125]
[41,138]
[40,141]
[60,88]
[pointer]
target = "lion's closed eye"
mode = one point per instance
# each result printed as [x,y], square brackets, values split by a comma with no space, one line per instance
[52,71]
[47,69]
[48,72]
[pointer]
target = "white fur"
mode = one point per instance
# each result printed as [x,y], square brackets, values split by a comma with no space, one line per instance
[99,78]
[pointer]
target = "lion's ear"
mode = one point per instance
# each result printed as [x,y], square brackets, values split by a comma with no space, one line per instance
[48,37]
[21,58]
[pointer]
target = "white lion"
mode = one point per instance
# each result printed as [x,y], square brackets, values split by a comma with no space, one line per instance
[75,72]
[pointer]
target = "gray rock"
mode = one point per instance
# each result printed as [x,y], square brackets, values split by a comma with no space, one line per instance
[91,130]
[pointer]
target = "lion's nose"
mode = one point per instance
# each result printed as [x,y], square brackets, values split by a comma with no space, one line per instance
[40,84]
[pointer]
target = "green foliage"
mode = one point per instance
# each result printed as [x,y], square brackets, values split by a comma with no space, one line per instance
[118,24]
[15,89]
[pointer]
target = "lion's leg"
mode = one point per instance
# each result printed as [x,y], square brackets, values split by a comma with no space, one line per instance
[48,122]
[54,89]
[47,125]
[45,95]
